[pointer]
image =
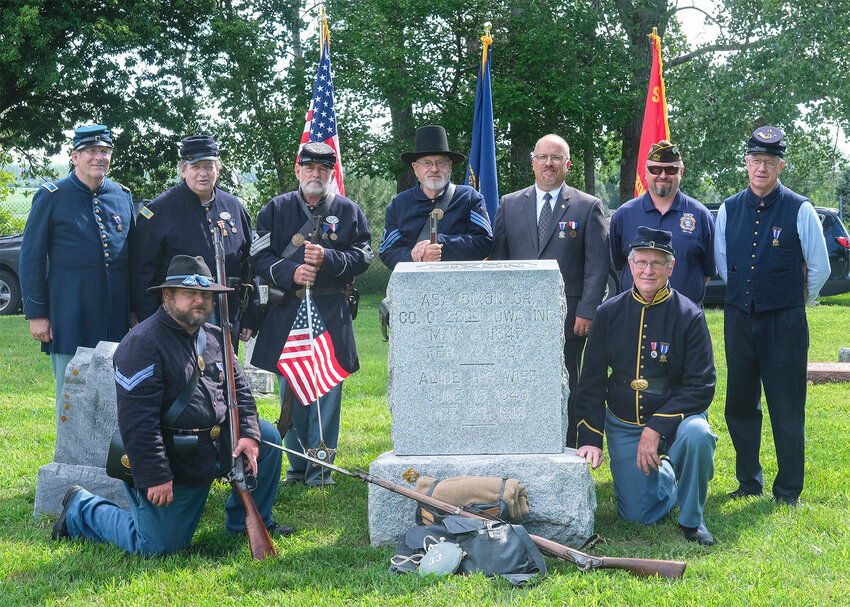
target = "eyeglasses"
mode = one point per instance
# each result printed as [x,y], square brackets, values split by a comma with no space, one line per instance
[641,264]
[670,170]
[93,151]
[430,164]
[555,158]
[759,162]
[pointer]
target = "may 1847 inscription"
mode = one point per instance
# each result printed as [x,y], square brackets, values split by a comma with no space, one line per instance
[476,358]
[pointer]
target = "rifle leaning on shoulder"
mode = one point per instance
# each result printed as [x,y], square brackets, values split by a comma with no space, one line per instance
[582,560]
[258,536]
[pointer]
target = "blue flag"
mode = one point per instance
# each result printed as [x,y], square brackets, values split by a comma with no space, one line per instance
[481,172]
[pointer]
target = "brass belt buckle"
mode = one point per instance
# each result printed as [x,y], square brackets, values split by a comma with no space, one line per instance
[214,432]
[639,384]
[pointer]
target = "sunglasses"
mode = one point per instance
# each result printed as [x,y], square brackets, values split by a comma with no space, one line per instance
[656,170]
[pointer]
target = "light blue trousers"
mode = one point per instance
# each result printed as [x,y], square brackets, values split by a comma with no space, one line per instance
[304,434]
[148,529]
[649,498]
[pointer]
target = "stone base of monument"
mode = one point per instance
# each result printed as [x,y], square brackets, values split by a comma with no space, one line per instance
[561,494]
[261,382]
[55,479]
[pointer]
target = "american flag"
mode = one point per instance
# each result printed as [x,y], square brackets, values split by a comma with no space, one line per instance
[310,365]
[320,124]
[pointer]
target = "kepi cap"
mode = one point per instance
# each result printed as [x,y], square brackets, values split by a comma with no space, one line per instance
[187,272]
[95,135]
[198,147]
[648,238]
[316,151]
[767,140]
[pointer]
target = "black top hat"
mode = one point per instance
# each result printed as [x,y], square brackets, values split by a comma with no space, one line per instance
[316,151]
[431,140]
[767,140]
[647,238]
[198,147]
[187,272]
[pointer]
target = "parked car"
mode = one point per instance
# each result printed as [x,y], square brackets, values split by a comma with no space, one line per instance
[10,285]
[837,245]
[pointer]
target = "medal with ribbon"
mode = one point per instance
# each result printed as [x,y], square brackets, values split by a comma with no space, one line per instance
[654,353]
[664,349]
[776,233]
[573,226]
[562,225]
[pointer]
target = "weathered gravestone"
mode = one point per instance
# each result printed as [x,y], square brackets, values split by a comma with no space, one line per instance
[260,381]
[86,419]
[477,386]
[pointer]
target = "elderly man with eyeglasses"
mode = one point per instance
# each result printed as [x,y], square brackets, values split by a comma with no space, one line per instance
[652,408]
[75,256]
[464,231]
[551,220]
[771,252]
[665,207]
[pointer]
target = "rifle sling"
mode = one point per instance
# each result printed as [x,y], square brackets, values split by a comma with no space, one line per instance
[442,203]
[179,405]
[308,226]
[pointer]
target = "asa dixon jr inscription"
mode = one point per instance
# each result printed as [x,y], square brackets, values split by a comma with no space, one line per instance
[476,358]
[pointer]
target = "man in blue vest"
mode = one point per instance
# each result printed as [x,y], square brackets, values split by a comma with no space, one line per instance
[75,256]
[770,250]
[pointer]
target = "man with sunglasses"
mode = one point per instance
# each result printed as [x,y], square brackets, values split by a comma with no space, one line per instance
[771,252]
[75,256]
[551,220]
[665,207]
[652,407]
[464,232]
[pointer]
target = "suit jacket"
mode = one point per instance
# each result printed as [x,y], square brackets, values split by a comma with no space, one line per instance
[581,251]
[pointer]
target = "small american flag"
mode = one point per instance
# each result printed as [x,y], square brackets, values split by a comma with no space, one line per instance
[320,124]
[310,365]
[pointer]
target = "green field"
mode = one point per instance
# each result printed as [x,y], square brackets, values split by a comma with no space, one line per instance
[765,555]
[18,203]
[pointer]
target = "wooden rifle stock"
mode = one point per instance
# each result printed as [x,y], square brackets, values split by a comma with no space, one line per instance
[582,560]
[259,539]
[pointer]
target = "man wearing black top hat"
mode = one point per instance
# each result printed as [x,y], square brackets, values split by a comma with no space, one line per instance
[181,220]
[75,256]
[464,232]
[174,463]
[665,207]
[285,257]
[662,380]
[771,252]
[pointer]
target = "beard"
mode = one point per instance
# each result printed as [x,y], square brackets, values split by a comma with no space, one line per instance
[663,190]
[437,183]
[315,188]
[188,317]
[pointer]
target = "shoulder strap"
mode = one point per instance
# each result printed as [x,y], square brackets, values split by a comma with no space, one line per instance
[179,405]
[442,204]
[322,209]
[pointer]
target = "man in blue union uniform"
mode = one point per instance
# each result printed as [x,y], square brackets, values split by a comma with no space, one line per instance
[662,380]
[180,221]
[464,231]
[75,256]
[284,256]
[771,252]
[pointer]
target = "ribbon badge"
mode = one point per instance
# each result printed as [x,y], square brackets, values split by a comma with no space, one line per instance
[776,233]
[562,226]
[194,280]
[654,353]
[664,349]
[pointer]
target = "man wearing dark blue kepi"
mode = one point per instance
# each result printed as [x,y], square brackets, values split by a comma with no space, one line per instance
[75,256]
[662,380]
[172,414]
[464,231]
[771,252]
[285,257]
[181,220]
[665,207]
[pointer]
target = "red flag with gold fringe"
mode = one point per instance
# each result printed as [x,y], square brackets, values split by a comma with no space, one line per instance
[655,127]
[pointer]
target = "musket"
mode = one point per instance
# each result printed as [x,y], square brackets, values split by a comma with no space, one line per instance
[434,218]
[582,560]
[258,536]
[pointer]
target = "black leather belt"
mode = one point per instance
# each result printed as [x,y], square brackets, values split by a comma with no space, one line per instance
[203,434]
[655,385]
[325,291]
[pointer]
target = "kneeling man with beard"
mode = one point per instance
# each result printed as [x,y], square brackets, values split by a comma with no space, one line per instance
[172,414]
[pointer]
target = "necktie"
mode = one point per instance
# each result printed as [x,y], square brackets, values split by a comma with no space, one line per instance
[545,216]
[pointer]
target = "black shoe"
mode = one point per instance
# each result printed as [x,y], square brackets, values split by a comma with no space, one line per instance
[785,500]
[292,480]
[740,493]
[278,530]
[700,535]
[60,527]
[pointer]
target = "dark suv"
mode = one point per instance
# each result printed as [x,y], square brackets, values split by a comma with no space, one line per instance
[10,286]
[837,245]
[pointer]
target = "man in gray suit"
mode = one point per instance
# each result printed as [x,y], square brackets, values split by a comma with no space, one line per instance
[551,220]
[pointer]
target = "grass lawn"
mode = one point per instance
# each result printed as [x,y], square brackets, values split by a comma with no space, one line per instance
[766,554]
